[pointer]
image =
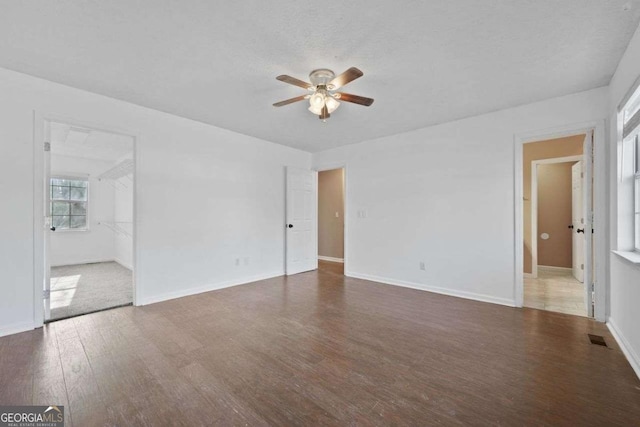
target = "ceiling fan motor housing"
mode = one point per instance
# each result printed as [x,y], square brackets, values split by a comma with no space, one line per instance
[321,77]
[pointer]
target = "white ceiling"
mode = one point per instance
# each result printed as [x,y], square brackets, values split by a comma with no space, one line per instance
[86,143]
[425,62]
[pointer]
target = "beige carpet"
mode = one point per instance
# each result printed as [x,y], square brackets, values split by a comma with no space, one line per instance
[85,288]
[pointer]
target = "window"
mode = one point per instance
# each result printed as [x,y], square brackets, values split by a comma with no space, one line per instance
[69,198]
[629,185]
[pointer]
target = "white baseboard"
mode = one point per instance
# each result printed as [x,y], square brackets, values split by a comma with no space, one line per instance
[628,351]
[124,264]
[328,258]
[16,328]
[435,289]
[206,288]
[551,267]
[87,261]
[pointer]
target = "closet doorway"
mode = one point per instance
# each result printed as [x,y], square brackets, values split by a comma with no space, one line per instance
[88,205]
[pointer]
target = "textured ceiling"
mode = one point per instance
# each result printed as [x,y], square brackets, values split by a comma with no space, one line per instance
[89,144]
[425,62]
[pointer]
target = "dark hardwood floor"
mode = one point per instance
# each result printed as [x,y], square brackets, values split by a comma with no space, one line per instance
[321,349]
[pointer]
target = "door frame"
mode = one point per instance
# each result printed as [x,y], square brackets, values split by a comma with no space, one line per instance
[345,215]
[600,212]
[39,138]
[534,204]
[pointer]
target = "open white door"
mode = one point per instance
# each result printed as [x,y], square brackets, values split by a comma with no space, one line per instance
[302,199]
[577,220]
[48,224]
[587,191]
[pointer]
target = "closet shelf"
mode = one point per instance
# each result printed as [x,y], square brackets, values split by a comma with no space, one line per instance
[123,168]
[118,227]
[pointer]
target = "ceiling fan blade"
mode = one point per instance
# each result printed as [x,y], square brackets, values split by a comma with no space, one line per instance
[355,99]
[294,81]
[289,101]
[348,76]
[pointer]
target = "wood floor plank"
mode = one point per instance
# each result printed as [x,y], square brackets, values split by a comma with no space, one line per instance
[82,386]
[49,386]
[222,400]
[321,349]
[16,373]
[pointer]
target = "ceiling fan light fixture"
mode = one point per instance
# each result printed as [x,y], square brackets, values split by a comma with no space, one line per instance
[317,100]
[316,110]
[332,104]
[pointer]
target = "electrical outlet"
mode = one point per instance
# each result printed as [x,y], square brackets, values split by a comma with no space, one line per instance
[237,261]
[422,267]
[246,261]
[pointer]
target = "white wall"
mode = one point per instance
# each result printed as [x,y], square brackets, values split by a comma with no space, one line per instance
[96,244]
[205,196]
[624,290]
[123,216]
[16,218]
[445,195]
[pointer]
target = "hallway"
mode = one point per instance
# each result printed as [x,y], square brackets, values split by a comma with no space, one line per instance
[555,290]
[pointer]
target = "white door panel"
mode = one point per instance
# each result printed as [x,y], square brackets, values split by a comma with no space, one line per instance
[577,220]
[47,224]
[587,186]
[582,221]
[302,197]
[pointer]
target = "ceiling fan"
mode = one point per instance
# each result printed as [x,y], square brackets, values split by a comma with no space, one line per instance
[322,96]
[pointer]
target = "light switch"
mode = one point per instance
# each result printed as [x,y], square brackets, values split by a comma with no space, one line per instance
[337,214]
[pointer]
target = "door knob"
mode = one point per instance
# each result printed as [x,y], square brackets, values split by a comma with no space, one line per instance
[290,225]
[52,229]
[580,230]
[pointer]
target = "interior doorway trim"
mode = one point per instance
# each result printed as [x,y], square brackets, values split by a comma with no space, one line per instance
[39,138]
[534,204]
[600,249]
[343,166]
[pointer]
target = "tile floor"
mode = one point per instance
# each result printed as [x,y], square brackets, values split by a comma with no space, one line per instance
[555,290]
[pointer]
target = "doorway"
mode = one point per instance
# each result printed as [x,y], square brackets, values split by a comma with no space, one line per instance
[88,205]
[557,233]
[557,242]
[331,201]
[303,251]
